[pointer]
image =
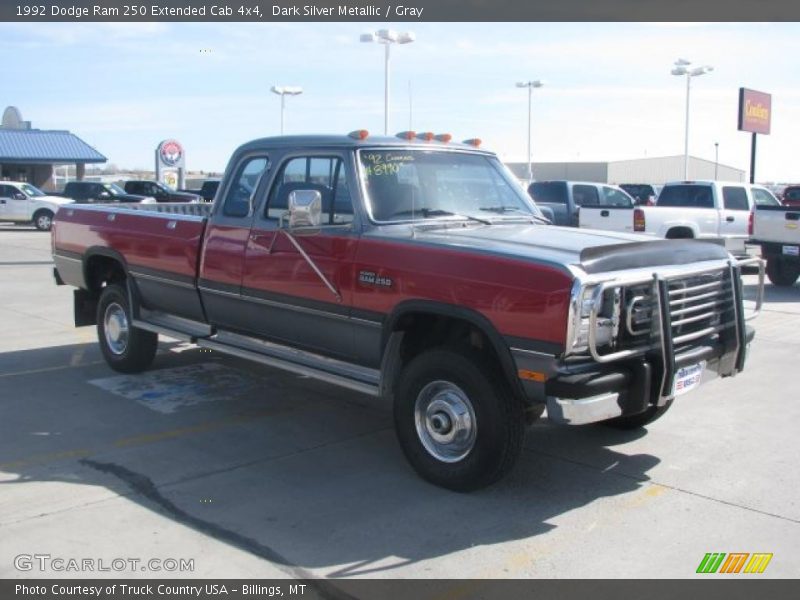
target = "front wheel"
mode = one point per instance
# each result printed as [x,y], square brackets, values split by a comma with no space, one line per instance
[782,272]
[43,220]
[458,425]
[126,348]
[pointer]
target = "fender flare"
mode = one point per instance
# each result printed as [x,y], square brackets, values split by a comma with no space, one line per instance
[393,340]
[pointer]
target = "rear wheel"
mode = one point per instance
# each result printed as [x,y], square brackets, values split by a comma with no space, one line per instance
[126,348]
[782,272]
[43,220]
[458,425]
[636,421]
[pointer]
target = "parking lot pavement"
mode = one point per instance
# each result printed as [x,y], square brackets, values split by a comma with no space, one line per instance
[253,472]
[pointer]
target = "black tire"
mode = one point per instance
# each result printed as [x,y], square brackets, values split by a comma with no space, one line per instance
[636,421]
[781,272]
[499,420]
[43,219]
[133,351]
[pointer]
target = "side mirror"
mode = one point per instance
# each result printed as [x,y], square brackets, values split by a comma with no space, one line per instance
[305,209]
[19,196]
[104,195]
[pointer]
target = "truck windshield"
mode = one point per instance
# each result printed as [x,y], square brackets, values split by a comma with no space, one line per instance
[409,184]
[114,189]
[31,191]
[686,196]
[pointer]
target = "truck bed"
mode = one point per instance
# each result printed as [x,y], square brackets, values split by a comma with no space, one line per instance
[777,224]
[159,244]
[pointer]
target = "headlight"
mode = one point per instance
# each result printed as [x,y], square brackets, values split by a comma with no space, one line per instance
[608,316]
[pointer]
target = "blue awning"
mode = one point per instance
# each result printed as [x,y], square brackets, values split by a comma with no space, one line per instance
[40,146]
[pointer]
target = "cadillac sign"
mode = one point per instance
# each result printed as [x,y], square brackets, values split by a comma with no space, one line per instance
[755,111]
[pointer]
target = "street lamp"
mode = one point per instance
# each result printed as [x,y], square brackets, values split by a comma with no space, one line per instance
[716,159]
[682,67]
[530,85]
[387,37]
[284,91]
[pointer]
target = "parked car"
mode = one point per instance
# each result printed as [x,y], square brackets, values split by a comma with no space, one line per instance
[24,203]
[159,191]
[207,190]
[710,210]
[643,194]
[777,230]
[791,195]
[561,201]
[418,271]
[94,192]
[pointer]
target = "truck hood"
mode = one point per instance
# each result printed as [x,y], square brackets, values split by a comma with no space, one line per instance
[57,200]
[591,250]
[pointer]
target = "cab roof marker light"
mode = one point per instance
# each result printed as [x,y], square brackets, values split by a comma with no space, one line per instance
[444,137]
[473,142]
[427,136]
[407,135]
[359,134]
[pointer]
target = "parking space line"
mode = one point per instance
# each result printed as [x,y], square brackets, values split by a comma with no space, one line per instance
[49,369]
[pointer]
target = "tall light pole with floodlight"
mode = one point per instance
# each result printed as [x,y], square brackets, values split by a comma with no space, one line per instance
[283,91]
[530,85]
[387,37]
[683,67]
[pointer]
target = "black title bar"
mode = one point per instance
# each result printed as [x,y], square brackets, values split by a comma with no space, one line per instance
[399,10]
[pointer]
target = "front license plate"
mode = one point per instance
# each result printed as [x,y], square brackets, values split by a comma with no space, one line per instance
[687,378]
[792,250]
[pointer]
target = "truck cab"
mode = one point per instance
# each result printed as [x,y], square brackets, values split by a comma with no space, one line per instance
[564,200]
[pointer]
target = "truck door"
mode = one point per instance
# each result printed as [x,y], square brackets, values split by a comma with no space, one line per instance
[734,217]
[5,198]
[225,240]
[17,205]
[297,285]
[614,213]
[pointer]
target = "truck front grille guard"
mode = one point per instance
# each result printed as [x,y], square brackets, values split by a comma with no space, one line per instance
[670,314]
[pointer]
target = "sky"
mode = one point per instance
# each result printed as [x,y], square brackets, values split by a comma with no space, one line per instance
[608,94]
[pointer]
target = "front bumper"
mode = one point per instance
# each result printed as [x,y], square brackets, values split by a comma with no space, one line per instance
[592,392]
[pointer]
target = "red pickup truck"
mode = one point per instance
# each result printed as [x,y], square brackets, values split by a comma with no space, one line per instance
[416,269]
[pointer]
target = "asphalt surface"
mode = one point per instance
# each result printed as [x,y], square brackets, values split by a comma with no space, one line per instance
[253,472]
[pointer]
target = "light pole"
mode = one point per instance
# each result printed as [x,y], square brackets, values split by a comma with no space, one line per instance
[682,67]
[387,37]
[283,91]
[716,160]
[530,85]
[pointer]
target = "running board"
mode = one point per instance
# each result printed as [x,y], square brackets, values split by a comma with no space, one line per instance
[177,327]
[307,370]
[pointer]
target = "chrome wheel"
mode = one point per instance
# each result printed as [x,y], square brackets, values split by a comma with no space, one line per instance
[116,328]
[445,421]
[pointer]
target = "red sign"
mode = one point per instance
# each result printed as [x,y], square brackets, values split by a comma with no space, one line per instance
[755,111]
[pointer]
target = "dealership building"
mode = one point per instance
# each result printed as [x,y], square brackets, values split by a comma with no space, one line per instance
[655,170]
[28,154]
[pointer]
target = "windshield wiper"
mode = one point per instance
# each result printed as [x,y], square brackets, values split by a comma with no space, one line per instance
[516,209]
[438,212]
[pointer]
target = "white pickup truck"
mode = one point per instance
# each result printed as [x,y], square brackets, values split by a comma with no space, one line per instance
[777,230]
[710,210]
[24,203]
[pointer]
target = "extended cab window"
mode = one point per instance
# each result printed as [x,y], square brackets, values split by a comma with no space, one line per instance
[585,195]
[735,198]
[616,198]
[245,180]
[327,175]
[686,196]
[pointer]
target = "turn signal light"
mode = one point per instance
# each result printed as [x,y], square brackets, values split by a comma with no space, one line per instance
[473,142]
[407,135]
[750,224]
[638,219]
[359,134]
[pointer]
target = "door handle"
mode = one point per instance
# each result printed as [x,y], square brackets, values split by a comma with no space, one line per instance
[603,213]
[2,201]
[730,219]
